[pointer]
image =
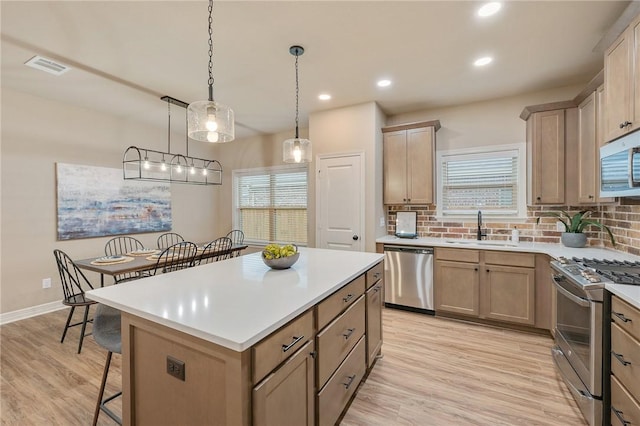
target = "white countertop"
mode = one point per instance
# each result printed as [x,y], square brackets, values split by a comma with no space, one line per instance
[237,302]
[630,293]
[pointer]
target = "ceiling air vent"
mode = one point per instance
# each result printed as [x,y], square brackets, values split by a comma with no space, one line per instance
[47,65]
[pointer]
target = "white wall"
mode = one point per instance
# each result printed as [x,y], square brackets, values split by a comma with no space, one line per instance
[493,122]
[37,133]
[347,130]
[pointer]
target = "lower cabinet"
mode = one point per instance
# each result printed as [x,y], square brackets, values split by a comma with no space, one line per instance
[485,284]
[625,363]
[287,396]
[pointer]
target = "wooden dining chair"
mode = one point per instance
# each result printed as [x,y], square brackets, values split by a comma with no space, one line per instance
[237,239]
[123,245]
[178,256]
[74,284]
[168,239]
[218,249]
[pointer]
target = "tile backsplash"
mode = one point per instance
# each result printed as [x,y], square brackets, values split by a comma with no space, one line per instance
[624,222]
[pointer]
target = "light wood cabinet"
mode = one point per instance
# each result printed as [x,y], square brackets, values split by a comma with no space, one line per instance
[486,284]
[375,285]
[508,294]
[625,362]
[408,163]
[622,90]
[280,380]
[546,157]
[287,395]
[588,147]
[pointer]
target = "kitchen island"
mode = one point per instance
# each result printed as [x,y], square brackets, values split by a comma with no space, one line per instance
[237,343]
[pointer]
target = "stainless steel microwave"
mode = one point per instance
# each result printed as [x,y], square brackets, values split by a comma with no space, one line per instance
[620,167]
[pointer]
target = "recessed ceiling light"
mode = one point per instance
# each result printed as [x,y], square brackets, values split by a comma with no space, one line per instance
[384,83]
[324,97]
[489,9]
[483,61]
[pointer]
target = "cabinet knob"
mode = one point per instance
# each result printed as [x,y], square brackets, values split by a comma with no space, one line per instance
[538,198]
[591,197]
[475,269]
[488,270]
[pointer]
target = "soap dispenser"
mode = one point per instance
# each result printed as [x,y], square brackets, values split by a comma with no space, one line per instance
[515,235]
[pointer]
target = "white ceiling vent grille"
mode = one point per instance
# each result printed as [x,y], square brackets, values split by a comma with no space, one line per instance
[47,65]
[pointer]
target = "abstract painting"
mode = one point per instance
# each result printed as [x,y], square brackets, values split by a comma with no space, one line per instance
[97,201]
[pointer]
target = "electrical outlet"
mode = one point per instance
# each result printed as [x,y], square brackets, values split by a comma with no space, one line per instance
[176,368]
[560,226]
[46,283]
[382,221]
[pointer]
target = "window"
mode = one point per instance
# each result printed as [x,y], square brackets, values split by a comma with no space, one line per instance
[271,204]
[489,179]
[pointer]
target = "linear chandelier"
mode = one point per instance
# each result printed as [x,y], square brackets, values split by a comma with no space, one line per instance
[152,165]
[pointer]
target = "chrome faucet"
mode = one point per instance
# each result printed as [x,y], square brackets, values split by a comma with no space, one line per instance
[480,232]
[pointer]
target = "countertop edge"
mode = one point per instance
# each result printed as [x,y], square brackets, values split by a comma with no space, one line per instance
[628,293]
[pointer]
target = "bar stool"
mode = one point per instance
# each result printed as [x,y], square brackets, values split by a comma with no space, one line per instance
[107,333]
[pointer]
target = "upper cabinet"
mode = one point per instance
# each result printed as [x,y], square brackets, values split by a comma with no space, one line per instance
[409,163]
[622,83]
[545,157]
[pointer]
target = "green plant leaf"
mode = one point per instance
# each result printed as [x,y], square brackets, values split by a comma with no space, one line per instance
[597,224]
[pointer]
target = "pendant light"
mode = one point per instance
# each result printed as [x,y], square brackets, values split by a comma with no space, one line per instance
[296,150]
[209,121]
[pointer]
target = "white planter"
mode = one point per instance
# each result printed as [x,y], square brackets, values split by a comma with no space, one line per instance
[572,239]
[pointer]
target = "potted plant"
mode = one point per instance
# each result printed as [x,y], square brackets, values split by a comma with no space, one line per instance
[574,225]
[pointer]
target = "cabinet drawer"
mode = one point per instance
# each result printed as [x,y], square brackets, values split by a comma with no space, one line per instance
[338,301]
[457,255]
[272,350]
[336,394]
[506,258]
[626,316]
[624,409]
[335,341]
[374,274]
[625,359]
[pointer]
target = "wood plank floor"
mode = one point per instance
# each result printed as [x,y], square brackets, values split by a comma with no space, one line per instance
[434,372]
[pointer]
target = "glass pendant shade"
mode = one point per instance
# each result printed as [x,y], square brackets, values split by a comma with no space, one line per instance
[296,151]
[209,121]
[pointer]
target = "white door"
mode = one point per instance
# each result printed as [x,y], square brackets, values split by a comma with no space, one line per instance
[340,202]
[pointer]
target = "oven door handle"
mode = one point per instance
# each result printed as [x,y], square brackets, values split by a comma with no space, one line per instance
[576,299]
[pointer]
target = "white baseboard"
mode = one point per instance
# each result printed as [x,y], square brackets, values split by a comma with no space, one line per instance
[33,311]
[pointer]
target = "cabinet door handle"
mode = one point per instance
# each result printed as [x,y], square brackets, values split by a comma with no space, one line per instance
[619,415]
[475,269]
[621,317]
[292,344]
[620,358]
[376,275]
[347,298]
[348,333]
[538,198]
[349,381]
[376,289]
[625,124]
[488,270]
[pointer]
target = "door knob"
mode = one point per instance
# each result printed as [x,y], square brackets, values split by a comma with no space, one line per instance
[355,238]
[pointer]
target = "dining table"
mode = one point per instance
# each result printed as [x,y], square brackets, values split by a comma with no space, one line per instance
[141,261]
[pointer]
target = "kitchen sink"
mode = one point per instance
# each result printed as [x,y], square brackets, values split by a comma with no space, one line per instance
[483,243]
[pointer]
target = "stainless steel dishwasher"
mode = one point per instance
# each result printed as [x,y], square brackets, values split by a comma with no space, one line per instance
[408,277]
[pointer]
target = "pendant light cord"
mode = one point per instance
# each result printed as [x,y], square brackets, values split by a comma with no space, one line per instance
[297,90]
[210,81]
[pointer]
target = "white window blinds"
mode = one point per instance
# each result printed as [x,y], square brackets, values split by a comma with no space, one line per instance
[482,181]
[271,205]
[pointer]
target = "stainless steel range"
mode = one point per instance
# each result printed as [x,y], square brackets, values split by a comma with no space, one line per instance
[578,353]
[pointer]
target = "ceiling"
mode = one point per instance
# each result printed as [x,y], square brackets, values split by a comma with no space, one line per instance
[126,54]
